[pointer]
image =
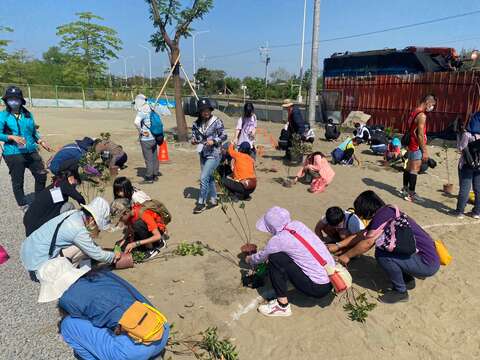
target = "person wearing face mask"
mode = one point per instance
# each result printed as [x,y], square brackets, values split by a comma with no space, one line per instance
[417,146]
[19,133]
[208,133]
[72,235]
[147,140]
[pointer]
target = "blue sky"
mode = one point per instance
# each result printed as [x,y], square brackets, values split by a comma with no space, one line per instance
[237,25]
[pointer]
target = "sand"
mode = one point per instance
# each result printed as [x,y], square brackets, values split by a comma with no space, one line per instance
[439,322]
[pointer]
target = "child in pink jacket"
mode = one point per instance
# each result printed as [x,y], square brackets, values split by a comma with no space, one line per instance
[317,172]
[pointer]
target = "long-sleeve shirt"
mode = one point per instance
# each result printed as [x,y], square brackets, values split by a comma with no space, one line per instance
[463,143]
[23,127]
[285,242]
[214,130]
[243,166]
[142,123]
[35,248]
[116,151]
[43,208]
[320,165]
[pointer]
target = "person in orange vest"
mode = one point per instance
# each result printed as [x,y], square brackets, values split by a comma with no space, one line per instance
[244,181]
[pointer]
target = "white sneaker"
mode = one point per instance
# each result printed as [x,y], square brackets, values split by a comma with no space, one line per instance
[273,308]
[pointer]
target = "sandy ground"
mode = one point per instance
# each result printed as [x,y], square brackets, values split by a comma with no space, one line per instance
[439,322]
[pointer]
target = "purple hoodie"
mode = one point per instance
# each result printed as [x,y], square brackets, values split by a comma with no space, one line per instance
[274,221]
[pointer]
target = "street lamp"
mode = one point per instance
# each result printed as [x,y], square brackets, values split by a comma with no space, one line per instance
[244,88]
[110,70]
[125,58]
[194,56]
[149,61]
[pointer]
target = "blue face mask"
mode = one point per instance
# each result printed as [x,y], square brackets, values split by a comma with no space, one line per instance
[14,104]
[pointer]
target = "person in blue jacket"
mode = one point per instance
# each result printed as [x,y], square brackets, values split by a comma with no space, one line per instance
[19,133]
[95,303]
[68,157]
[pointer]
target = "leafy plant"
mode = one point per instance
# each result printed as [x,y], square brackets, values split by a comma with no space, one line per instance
[357,305]
[185,249]
[138,256]
[206,345]
[299,148]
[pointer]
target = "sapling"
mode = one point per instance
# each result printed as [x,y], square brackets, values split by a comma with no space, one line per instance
[357,305]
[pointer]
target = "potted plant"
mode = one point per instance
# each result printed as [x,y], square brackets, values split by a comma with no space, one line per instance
[298,150]
[448,187]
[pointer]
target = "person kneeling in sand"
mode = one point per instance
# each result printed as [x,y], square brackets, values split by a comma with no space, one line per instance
[289,259]
[95,305]
[71,235]
[145,227]
[316,171]
[244,181]
[338,224]
[402,248]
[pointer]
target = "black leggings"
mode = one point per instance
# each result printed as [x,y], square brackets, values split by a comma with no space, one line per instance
[17,165]
[282,268]
[237,188]
[141,232]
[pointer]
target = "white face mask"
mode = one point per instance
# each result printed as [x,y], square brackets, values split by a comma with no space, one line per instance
[430,108]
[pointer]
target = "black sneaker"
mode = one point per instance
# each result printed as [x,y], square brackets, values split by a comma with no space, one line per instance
[148,180]
[393,296]
[212,205]
[199,208]
[409,281]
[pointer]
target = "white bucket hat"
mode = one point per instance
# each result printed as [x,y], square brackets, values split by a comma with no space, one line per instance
[139,102]
[100,211]
[56,276]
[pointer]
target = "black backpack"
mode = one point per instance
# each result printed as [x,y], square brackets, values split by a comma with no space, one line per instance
[471,154]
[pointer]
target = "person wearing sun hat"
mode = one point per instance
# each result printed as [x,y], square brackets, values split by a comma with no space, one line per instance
[71,235]
[295,123]
[208,134]
[289,259]
[21,138]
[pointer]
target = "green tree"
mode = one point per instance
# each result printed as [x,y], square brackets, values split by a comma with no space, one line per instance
[211,81]
[233,84]
[89,46]
[281,74]
[4,42]
[169,15]
[255,87]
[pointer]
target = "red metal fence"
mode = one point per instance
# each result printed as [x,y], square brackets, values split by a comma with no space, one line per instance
[390,98]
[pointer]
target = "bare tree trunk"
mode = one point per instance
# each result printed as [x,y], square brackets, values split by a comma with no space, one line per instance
[182,132]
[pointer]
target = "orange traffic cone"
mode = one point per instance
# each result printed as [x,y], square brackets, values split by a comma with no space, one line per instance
[163,153]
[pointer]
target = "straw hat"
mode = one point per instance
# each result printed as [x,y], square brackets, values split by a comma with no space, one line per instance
[100,210]
[287,103]
[56,276]
[119,208]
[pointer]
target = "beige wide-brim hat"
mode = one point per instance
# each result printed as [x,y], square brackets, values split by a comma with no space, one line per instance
[287,103]
[56,276]
[100,211]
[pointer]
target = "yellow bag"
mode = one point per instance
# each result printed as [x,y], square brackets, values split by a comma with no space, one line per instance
[143,323]
[443,254]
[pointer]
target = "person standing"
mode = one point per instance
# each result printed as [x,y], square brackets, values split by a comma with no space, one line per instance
[417,146]
[467,174]
[147,140]
[19,133]
[296,125]
[208,133]
[247,127]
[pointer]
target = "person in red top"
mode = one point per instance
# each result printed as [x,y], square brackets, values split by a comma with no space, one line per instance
[417,146]
[145,227]
[244,181]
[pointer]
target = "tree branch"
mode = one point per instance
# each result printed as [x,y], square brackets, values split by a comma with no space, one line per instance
[158,20]
[187,21]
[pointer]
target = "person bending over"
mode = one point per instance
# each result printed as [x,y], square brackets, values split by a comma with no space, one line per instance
[290,260]
[412,254]
[123,189]
[338,224]
[316,171]
[244,181]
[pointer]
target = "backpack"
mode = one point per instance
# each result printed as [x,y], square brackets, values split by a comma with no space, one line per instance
[158,208]
[397,237]
[471,154]
[156,126]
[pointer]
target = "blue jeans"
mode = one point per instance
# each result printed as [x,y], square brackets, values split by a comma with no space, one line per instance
[207,181]
[396,266]
[467,177]
[93,343]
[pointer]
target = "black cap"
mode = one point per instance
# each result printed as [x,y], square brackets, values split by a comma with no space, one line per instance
[203,104]
[14,92]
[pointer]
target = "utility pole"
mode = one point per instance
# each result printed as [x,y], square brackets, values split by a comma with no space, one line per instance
[194,35]
[314,63]
[299,98]
[265,54]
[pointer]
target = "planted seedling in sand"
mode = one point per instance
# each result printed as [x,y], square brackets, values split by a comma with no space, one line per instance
[185,249]
[357,305]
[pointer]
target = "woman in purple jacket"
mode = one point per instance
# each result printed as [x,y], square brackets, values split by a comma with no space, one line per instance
[289,259]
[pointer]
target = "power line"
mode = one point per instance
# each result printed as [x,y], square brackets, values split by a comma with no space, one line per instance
[353,36]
